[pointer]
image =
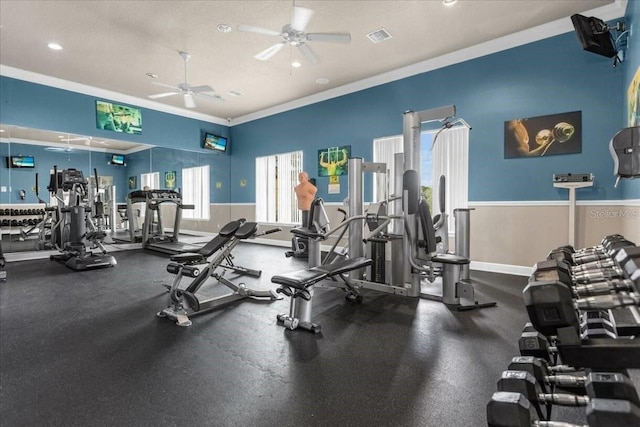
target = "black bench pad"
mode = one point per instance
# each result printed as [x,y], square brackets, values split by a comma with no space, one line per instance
[299,279]
[302,279]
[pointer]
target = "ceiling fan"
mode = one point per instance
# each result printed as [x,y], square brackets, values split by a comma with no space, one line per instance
[293,34]
[64,148]
[186,90]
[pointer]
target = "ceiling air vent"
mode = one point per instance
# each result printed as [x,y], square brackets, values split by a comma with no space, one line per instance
[378,36]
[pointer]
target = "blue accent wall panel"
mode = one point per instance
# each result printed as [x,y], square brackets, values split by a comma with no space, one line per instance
[44,107]
[547,77]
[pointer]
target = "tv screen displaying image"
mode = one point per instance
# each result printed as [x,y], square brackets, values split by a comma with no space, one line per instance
[21,162]
[214,142]
[117,159]
[118,118]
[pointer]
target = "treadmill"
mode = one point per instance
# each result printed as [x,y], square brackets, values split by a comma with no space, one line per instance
[153,235]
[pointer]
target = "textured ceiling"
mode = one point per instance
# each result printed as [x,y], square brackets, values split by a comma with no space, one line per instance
[112,45]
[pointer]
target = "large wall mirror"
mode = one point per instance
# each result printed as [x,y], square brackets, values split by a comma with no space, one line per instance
[122,168]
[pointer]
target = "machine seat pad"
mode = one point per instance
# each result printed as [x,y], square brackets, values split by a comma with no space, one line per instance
[187,257]
[230,229]
[344,266]
[246,230]
[300,279]
[450,259]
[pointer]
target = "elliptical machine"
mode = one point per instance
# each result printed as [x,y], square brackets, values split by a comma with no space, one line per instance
[70,233]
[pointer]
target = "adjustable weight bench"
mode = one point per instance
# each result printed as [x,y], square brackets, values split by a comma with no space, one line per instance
[184,302]
[299,284]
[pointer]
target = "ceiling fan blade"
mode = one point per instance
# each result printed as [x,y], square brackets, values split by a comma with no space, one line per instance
[162,95]
[166,85]
[308,53]
[300,18]
[328,37]
[213,98]
[258,30]
[203,88]
[269,52]
[188,101]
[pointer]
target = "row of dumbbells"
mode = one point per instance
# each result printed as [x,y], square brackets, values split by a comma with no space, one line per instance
[535,381]
[18,212]
[597,279]
[19,222]
[579,288]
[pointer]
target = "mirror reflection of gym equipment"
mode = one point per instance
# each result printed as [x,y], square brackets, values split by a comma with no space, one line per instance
[73,227]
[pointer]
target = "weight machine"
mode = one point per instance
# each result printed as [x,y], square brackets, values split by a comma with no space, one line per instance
[410,245]
[73,227]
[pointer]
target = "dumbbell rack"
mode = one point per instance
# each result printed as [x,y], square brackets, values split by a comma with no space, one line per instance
[12,219]
[570,299]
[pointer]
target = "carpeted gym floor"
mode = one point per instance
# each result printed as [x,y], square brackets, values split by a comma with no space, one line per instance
[86,349]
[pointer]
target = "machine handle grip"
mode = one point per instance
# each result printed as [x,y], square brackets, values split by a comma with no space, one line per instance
[271,231]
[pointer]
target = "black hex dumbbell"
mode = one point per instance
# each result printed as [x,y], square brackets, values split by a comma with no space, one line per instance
[507,409]
[606,385]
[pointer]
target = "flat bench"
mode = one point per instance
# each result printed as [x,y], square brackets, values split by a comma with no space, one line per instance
[302,279]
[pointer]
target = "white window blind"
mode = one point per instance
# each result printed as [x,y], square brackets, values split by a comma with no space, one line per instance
[276,176]
[195,191]
[384,150]
[150,180]
[451,159]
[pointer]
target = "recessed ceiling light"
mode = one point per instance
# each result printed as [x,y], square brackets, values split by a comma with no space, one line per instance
[60,136]
[224,28]
[449,2]
[233,93]
[322,81]
[1,130]
[153,76]
[54,46]
[296,64]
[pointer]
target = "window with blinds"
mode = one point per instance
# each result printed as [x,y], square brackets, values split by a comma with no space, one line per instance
[150,180]
[195,191]
[449,157]
[276,176]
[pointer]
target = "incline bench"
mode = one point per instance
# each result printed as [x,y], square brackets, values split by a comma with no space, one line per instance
[299,284]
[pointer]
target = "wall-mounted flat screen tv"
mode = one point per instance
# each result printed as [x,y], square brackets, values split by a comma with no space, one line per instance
[118,118]
[21,162]
[215,142]
[117,159]
[594,35]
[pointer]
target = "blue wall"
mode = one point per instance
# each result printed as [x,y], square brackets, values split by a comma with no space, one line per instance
[43,107]
[631,188]
[546,77]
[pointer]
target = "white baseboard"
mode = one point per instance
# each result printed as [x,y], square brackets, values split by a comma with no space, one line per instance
[516,270]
